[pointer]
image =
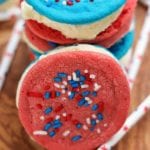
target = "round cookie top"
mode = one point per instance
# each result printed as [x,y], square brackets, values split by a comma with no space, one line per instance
[73,100]
[76,11]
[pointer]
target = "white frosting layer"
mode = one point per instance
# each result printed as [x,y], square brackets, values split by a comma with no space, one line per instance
[80,32]
[8,4]
[80,47]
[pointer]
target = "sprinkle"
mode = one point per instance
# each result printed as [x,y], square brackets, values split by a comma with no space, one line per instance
[35,94]
[96,87]
[57,79]
[71,95]
[81,102]
[79,125]
[56,85]
[40,132]
[57,117]
[58,94]
[62,75]
[47,95]
[63,86]
[76,138]
[105,125]
[64,114]
[75,77]
[57,124]
[59,108]
[63,91]
[82,78]
[52,133]
[69,78]
[42,118]
[93,116]
[93,122]
[85,93]
[86,71]
[95,107]
[78,73]
[88,121]
[84,86]
[85,127]
[48,110]
[97,121]
[48,126]
[92,76]
[100,116]
[98,131]
[66,133]
[74,84]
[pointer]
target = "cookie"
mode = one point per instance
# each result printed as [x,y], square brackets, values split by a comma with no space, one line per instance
[73,98]
[113,32]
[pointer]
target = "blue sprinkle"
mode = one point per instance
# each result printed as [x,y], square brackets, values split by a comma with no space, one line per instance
[81,82]
[81,102]
[57,124]
[58,79]
[47,126]
[82,78]
[58,94]
[47,95]
[95,107]
[75,84]
[72,95]
[56,121]
[78,73]
[93,122]
[52,133]
[85,93]
[100,116]
[62,75]
[79,125]
[76,138]
[48,110]
[94,94]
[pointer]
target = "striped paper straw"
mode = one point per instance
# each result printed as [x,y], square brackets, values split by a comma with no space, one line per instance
[143,108]
[10,50]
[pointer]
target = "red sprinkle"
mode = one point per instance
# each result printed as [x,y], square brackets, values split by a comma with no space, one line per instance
[39,106]
[59,108]
[50,119]
[35,94]
[101,106]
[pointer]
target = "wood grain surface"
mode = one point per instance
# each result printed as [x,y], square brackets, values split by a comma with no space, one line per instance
[12,134]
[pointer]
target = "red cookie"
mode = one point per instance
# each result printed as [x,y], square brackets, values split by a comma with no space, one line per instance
[107,38]
[73,98]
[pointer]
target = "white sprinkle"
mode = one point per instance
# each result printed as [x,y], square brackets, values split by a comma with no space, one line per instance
[62,86]
[90,102]
[42,118]
[63,91]
[86,71]
[85,127]
[92,76]
[105,125]
[96,87]
[64,114]
[84,86]
[66,133]
[64,3]
[97,121]
[69,93]
[65,83]
[94,116]
[87,99]
[57,85]
[57,117]
[98,131]
[40,132]
[88,121]
[69,77]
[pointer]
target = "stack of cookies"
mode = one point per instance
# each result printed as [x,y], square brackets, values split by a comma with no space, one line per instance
[76,94]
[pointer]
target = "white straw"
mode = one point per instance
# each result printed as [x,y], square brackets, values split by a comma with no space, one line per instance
[130,122]
[139,50]
[4,16]
[10,50]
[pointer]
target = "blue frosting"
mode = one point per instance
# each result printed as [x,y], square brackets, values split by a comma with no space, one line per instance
[2,1]
[122,47]
[83,12]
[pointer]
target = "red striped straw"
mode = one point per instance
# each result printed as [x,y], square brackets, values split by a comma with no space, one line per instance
[10,50]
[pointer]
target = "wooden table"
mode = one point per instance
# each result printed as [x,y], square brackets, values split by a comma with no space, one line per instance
[12,134]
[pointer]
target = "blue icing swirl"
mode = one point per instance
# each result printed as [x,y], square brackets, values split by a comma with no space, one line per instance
[82,12]
[122,46]
[2,1]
